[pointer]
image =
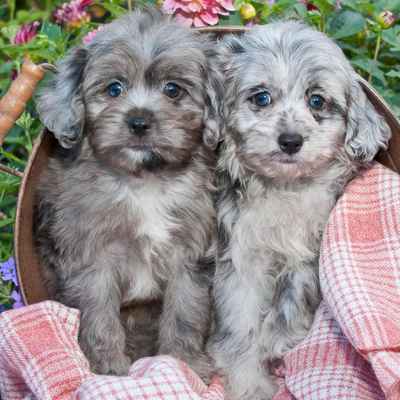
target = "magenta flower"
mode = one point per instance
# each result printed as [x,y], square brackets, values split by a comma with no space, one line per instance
[26,33]
[73,14]
[198,12]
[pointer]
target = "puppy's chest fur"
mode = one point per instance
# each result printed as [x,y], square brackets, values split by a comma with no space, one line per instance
[279,229]
[143,229]
[149,240]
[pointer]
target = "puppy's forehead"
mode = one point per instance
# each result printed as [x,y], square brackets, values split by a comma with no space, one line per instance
[130,48]
[290,55]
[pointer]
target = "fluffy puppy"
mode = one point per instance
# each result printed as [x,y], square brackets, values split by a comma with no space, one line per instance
[297,127]
[125,211]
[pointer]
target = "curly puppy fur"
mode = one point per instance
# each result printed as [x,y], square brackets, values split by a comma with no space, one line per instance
[125,213]
[273,202]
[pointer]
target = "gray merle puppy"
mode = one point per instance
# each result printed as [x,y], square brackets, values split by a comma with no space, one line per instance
[297,127]
[124,213]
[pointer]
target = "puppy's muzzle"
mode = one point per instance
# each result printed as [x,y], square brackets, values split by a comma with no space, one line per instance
[138,125]
[290,143]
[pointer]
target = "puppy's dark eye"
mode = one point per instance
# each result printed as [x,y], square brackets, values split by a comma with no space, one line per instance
[316,102]
[172,90]
[262,99]
[115,89]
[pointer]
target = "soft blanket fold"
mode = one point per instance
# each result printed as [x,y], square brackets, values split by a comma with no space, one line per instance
[351,352]
[353,349]
[40,359]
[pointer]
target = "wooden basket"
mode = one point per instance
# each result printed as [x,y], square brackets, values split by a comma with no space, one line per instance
[27,261]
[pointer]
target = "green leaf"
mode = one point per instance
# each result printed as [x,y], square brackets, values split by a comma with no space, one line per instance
[392,37]
[238,3]
[281,5]
[12,157]
[114,9]
[6,221]
[6,68]
[52,31]
[356,50]
[393,73]
[365,7]
[371,67]
[301,10]
[392,5]
[10,31]
[6,287]
[25,16]
[231,19]
[345,24]
[325,6]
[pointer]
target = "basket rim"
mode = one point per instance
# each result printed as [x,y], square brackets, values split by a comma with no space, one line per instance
[18,217]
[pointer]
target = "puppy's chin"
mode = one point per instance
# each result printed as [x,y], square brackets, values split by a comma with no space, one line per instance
[132,161]
[289,168]
[143,157]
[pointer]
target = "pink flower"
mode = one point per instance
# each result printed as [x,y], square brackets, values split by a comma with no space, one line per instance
[198,12]
[386,19]
[26,33]
[90,36]
[73,14]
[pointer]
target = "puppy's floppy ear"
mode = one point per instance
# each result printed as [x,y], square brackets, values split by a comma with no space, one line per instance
[367,131]
[212,117]
[228,49]
[60,103]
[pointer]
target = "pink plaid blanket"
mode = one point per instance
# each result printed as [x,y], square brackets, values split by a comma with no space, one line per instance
[351,352]
[40,359]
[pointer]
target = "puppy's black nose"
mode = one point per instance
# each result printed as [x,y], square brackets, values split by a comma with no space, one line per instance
[290,143]
[138,125]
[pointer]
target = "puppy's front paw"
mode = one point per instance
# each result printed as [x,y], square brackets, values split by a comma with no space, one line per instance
[258,394]
[112,363]
[265,392]
[264,388]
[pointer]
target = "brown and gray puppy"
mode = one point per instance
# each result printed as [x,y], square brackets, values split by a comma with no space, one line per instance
[125,210]
[297,127]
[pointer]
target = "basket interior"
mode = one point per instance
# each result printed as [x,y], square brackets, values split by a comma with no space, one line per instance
[28,264]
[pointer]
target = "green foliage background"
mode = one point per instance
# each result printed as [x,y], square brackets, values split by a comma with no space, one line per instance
[373,49]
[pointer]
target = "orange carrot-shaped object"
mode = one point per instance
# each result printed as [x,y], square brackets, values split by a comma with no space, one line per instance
[21,90]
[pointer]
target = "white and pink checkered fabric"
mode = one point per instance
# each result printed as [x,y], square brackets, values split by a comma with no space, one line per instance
[353,349]
[40,359]
[351,352]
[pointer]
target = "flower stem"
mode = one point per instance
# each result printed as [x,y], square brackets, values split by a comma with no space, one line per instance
[377,49]
[321,23]
[11,6]
[48,6]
